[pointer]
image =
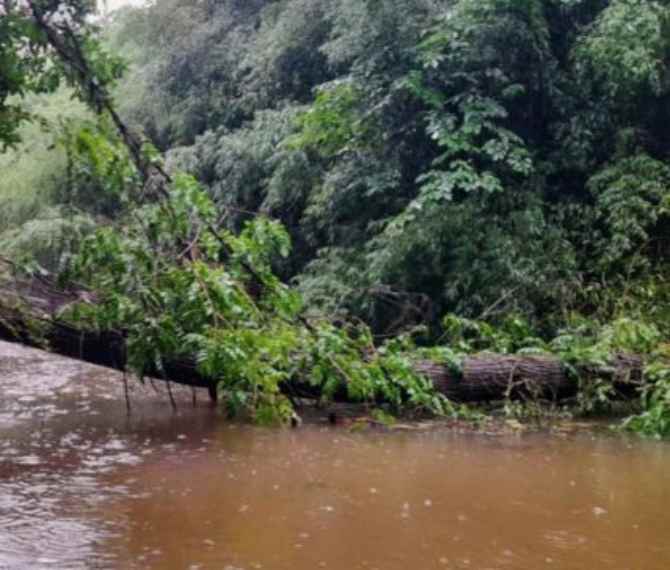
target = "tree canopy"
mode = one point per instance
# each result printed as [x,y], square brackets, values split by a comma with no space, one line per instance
[430,152]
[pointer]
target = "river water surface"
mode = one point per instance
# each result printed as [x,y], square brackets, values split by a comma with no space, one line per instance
[85,486]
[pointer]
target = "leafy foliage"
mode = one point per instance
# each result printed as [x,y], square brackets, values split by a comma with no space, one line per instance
[176,286]
[503,162]
[627,48]
[655,419]
[631,197]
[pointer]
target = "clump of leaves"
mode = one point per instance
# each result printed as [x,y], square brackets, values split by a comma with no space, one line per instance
[512,336]
[631,197]
[331,123]
[177,286]
[655,419]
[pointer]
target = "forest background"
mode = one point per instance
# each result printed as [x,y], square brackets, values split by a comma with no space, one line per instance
[482,174]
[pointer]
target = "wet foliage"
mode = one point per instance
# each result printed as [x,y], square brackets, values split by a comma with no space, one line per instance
[504,162]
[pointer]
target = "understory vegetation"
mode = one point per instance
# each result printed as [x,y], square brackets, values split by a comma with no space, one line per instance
[320,192]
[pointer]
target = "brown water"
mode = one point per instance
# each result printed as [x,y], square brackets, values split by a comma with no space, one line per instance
[82,485]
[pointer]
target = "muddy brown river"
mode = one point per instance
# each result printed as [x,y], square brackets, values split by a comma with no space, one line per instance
[85,486]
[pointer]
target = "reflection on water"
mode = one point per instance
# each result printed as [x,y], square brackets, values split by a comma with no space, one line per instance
[84,486]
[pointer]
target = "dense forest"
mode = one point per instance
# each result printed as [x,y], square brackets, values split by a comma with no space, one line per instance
[321,188]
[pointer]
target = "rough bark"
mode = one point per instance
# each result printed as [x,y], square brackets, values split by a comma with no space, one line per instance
[486,377]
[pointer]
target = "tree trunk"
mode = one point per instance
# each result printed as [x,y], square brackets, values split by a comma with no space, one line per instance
[486,377]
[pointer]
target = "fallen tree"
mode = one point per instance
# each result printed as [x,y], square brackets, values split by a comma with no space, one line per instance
[170,290]
[29,315]
[29,310]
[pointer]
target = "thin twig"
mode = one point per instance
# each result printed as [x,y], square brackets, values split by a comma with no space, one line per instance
[125,390]
[169,389]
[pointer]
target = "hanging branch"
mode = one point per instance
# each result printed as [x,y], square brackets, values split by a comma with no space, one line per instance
[72,57]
